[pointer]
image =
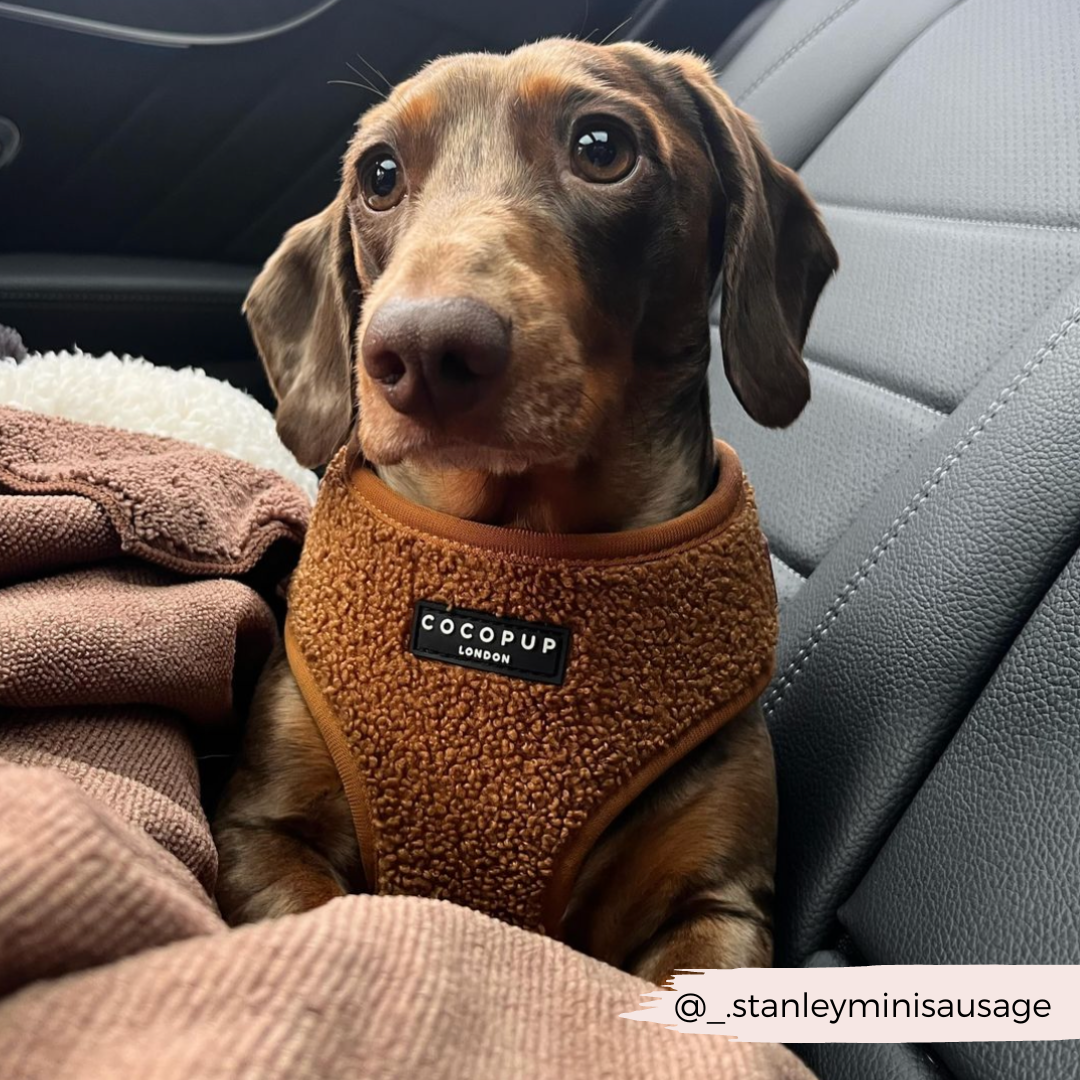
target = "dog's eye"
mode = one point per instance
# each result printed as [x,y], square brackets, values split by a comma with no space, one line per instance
[602,151]
[383,181]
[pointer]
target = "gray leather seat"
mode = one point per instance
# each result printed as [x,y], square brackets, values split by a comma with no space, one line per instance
[924,512]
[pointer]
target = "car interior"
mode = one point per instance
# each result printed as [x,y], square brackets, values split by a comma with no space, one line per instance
[923,513]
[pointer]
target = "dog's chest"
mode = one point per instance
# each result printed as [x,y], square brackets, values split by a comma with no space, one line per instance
[491,709]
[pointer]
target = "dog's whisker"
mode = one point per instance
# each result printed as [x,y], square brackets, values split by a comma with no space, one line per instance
[348,82]
[368,84]
[584,18]
[607,37]
[367,63]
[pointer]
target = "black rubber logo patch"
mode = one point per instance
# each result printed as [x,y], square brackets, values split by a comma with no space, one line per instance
[513,647]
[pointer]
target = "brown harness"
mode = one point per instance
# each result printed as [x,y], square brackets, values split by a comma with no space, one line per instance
[493,698]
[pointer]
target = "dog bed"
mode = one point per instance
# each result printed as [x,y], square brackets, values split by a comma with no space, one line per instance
[133,394]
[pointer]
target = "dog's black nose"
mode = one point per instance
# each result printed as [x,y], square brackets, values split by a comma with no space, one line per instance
[443,356]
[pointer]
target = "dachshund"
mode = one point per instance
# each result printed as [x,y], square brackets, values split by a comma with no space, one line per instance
[506,309]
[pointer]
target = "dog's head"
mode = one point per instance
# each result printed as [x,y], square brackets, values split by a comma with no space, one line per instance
[517,269]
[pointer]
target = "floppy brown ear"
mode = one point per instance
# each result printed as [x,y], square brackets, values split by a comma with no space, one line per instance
[773,257]
[302,310]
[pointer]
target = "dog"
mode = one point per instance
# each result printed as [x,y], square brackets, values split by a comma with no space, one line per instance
[506,312]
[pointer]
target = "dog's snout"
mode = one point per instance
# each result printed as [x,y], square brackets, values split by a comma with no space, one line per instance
[444,356]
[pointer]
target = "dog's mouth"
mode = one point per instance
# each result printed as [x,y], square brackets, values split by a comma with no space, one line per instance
[537,416]
[471,378]
[400,441]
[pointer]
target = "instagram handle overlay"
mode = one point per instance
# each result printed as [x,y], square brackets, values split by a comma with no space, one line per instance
[916,1003]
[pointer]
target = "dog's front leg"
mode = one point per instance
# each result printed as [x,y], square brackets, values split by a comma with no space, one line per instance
[685,877]
[284,832]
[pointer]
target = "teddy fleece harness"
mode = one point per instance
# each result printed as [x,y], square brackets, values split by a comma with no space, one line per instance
[493,698]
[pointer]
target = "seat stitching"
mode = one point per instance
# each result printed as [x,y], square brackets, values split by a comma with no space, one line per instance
[777,561]
[795,49]
[875,386]
[933,481]
[992,223]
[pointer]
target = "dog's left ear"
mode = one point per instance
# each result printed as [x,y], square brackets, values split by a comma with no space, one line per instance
[302,310]
[771,252]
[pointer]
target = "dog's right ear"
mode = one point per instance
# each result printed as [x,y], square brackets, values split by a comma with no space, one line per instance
[302,310]
[772,253]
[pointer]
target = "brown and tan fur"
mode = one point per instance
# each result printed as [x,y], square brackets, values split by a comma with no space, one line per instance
[601,424]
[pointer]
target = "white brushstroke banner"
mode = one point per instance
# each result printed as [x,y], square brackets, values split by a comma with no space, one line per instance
[891,1003]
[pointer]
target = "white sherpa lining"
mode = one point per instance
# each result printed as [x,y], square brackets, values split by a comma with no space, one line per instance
[133,394]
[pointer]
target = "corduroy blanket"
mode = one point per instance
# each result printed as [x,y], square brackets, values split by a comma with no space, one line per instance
[135,574]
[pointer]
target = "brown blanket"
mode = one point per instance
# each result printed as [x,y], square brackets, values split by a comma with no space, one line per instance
[130,613]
